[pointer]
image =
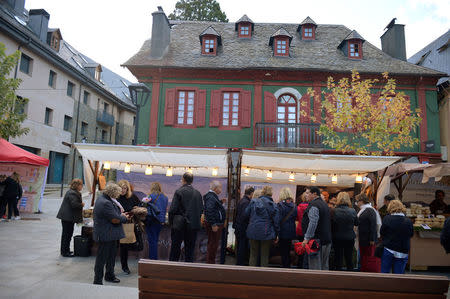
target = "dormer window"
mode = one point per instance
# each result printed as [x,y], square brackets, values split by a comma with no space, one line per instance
[209,41]
[54,38]
[307,29]
[280,42]
[244,26]
[352,46]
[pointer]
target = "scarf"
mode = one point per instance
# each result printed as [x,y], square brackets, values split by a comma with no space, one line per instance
[369,206]
[118,204]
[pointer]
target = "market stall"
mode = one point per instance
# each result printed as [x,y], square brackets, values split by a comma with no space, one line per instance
[32,170]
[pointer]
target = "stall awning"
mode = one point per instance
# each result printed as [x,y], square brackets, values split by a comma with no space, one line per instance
[14,154]
[346,167]
[201,160]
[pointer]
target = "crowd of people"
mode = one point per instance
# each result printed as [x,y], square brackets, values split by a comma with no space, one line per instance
[10,195]
[324,232]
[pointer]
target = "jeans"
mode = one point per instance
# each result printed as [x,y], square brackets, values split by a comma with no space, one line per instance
[388,262]
[189,236]
[261,249]
[285,250]
[213,243]
[320,259]
[153,231]
[124,255]
[66,236]
[343,249]
[106,255]
[12,207]
[242,249]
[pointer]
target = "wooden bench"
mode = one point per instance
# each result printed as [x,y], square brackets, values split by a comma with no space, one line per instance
[162,279]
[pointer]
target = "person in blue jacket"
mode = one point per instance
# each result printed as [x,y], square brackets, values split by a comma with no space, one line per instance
[288,214]
[263,226]
[153,228]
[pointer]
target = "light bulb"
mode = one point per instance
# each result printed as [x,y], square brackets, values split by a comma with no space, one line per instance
[313,178]
[190,170]
[269,175]
[148,170]
[358,179]
[169,171]
[246,171]
[107,165]
[215,171]
[334,179]
[291,177]
[127,168]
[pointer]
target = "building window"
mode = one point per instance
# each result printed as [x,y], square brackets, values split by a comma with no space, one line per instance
[86,97]
[308,32]
[22,106]
[281,47]
[70,88]
[185,107]
[48,116]
[67,123]
[26,64]
[354,49]
[230,109]
[55,42]
[209,45]
[52,79]
[245,30]
[84,129]
[104,135]
[105,107]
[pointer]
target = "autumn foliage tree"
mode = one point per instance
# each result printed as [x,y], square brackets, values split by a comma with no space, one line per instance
[198,10]
[363,118]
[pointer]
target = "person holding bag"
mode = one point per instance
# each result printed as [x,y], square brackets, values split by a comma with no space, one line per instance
[288,214]
[155,218]
[128,200]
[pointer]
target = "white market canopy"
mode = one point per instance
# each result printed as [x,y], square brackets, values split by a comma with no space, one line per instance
[346,167]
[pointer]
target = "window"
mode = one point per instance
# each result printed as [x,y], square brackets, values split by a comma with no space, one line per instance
[55,42]
[86,97]
[185,107]
[209,45]
[230,109]
[70,88]
[245,30]
[52,79]
[281,47]
[134,120]
[26,64]
[104,135]
[105,107]
[84,128]
[67,123]
[21,105]
[355,49]
[48,116]
[308,32]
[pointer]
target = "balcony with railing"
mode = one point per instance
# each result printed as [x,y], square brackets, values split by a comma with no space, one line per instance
[105,118]
[288,135]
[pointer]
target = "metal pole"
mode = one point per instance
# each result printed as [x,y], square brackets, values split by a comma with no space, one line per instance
[76,133]
[62,179]
[136,125]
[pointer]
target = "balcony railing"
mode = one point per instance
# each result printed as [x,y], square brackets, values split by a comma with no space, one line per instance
[105,118]
[297,135]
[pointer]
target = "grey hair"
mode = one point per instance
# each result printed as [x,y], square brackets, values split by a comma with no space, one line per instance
[214,184]
[112,190]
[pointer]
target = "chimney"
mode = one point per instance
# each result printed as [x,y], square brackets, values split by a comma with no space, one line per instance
[393,40]
[17,5]
[160,34]
[38,21]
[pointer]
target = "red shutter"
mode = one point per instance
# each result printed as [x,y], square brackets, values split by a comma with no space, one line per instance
[200,108]
[270,108]
[214,114]
[169,112]
[246,109]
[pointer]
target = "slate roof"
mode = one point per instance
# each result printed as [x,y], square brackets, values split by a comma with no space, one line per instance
[436,55]
[280,32]
[321,54]
[352,35]
[308,20]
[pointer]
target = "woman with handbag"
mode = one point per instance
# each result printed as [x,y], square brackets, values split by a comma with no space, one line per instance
[128,200]
[263,226]
[396,232]
[153,224]
[288,214]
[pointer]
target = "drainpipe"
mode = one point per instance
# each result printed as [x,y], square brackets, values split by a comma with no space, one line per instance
[76,132]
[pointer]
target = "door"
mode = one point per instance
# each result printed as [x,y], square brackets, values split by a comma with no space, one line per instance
[56,168]
[286,115]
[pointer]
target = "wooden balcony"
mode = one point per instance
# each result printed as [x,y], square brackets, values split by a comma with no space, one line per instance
[288,135]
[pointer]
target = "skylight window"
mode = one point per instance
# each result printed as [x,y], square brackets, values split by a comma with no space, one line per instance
[82,58]
[77,62]
[124,83]
[70,49]
[20,20]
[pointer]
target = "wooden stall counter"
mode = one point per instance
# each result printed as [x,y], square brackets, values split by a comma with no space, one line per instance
[426,250]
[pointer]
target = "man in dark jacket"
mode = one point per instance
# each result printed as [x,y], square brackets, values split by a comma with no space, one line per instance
[187,206]
[215,216]
[445,236]
[70,212]
[107,231]
[316,224]
[240,228]
[12,194]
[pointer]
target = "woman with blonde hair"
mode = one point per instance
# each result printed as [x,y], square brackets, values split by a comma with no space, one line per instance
[70,212]
[128,200]
[288,214]
[343,221]
[263,226]
[153,226]
[396,232]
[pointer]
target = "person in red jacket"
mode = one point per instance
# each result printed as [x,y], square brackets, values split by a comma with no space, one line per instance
[300,210]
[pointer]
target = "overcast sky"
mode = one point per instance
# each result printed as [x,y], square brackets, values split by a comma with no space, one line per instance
[111,31]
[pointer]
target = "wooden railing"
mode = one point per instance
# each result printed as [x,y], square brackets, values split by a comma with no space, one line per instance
[296,135]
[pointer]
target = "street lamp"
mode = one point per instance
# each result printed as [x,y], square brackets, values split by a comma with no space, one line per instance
[139,94]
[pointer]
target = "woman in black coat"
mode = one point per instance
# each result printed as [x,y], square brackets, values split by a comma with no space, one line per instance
[344,219]
[11,194]
[70,212]
[288,214]
[128,200]
[396,232]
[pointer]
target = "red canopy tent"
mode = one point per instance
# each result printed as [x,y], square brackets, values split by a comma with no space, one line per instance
[14,154]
